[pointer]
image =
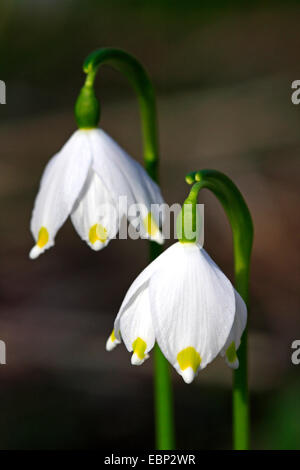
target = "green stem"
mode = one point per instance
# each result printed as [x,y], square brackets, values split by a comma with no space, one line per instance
[242,230]
[138,78]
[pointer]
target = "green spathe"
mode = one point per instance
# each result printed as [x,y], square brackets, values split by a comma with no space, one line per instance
[189,223]
[87,108]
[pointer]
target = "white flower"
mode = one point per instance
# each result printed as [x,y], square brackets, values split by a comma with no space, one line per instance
[183,301]
[85,180]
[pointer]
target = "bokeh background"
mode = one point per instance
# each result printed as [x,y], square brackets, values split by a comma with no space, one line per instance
[223,80]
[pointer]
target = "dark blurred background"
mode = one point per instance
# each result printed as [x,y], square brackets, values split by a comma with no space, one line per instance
[223,79]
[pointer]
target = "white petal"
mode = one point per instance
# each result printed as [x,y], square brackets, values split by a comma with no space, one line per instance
[95,216]
[112,342]
[61,183]
[145,222]
[188,375]
[234,339]
[140,283]
[135,326]
[192,305]
[124,176]
[139,286]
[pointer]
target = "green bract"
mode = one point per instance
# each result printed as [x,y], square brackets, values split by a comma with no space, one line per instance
[189,221]
[87,108]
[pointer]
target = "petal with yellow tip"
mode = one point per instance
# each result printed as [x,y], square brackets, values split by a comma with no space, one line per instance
[234,339]
[124,176]
[152,229]
[231,357]
[135,325]
[139,347]
[61,184]
[112,341]
[94,215]
[192,308]
[189,361]
[189,357]
[97,235]
[42,241]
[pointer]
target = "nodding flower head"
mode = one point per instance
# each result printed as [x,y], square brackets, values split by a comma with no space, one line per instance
[85,180]
[184,302]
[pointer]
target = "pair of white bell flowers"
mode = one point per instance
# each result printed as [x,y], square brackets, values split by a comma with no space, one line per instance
[182,300]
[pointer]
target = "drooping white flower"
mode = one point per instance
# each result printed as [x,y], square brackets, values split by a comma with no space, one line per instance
[85,180]
[183,301]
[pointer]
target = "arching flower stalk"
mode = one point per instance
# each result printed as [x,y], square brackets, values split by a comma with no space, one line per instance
[241,224]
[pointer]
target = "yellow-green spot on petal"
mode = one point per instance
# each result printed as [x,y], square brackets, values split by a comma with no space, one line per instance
[43,237]
[113,336]
[139,348]
[189,357]
[97,233]
[150,225]
[102,233]
[231,353]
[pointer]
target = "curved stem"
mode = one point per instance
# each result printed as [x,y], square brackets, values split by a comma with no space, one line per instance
[242,230]
[138,78]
